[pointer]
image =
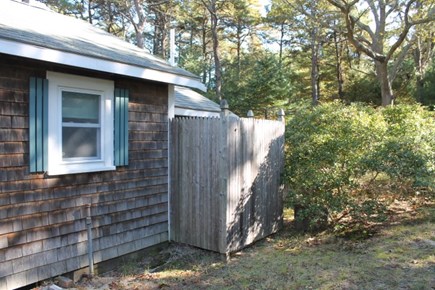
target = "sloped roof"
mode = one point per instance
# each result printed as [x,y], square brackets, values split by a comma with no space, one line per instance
[189,99]
[190,103]
[42,34]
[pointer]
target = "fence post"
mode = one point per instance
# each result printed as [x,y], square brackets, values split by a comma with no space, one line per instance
[223,176]
[281,115]
[225,108]
[250,114]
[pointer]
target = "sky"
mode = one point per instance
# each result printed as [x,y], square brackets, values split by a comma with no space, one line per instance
[263,3]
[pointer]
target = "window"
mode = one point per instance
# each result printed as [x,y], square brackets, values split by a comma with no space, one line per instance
[80,124]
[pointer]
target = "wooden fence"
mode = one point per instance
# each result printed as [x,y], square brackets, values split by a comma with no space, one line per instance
[225,181]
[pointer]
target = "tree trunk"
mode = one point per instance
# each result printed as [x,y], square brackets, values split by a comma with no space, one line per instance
[156,48]
[338,66]
[139,27]
[419,88]
[423,55]
[165,43]
[239,49]
[205,71]
[217,63]
[140,41]
[90,11]
[315,75]
[281,43]
[386,90]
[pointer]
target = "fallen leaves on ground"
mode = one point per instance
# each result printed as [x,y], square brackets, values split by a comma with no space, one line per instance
[401,255]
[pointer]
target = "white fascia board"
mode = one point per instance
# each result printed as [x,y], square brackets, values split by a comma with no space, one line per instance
[195,113]
[82,61]
[171,101]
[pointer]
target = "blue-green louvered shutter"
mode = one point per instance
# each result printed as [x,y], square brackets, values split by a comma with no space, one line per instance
[38,124]
[121,127]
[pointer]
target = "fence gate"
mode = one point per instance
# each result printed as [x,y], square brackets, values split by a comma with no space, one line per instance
[225,181]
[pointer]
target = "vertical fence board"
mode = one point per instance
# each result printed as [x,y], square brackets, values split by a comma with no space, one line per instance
[214,191]
[225,181]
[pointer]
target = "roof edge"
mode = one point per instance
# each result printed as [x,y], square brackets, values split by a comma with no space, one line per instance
[198,109]
[75,60]
[179,111]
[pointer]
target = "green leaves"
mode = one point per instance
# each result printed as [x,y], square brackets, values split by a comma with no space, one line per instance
[259,83]
[335,151]
[407,152]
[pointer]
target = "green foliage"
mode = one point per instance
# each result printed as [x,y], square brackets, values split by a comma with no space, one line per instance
[335,152]
[428,90]
[260,82]
[363,88]
[407,153]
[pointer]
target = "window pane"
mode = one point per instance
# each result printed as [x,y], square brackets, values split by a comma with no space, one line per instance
[80,142]
[80,107]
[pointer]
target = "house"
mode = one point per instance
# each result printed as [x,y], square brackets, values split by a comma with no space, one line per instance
[189,103]
[83,145]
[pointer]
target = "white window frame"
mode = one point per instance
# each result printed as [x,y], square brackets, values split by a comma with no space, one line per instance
[105,88]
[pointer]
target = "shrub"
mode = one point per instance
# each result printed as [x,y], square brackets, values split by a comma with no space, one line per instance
[334,151]
[363,88]
[407,153]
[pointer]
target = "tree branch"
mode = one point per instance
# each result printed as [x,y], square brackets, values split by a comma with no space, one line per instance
[404,32]
[374,11]
[399,60]
[365,28]
[350,25]
[393,7]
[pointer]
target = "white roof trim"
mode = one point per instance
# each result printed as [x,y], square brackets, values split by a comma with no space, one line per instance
[71,59]
[195,113]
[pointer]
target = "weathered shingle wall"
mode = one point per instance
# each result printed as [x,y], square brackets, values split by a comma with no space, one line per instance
[42,219]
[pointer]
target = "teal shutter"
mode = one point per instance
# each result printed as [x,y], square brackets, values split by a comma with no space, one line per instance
[38,124]
[121,127]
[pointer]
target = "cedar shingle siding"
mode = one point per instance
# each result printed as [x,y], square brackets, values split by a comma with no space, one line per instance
[42,219]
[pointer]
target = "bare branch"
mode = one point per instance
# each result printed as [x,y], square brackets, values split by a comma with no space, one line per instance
[365,28]
[342,7]
[363,40]
[423,21]
[140,14]
[374,11]
[399,60]
[404,32]
[393,7]
[299,9]
[350,25]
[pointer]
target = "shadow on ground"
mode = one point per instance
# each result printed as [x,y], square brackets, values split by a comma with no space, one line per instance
[399,256]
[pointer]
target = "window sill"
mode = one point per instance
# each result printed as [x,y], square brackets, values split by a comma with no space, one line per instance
[66,171]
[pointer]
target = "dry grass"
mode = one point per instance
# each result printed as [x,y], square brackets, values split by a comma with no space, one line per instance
[401,255]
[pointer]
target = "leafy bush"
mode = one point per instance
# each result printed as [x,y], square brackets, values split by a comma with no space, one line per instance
[363,88]
[427,93]
[407,151]
[334,153]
